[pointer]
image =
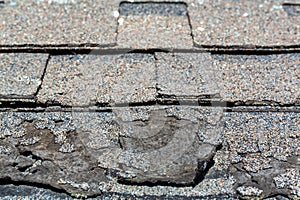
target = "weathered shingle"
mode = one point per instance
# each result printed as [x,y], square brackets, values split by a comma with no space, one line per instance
[243,23]
[21,74]
[273,78]
[154,25]
[186,75]
[264,145]
[89,79]
[58,23]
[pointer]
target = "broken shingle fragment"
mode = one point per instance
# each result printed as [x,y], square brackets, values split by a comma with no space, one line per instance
[55,148]
[164,147]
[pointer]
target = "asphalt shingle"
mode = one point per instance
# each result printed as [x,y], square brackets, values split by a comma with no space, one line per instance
[243,23]
[89,79]
[21,74]
[58,23]
[154,25]
[260,79]
[186,76]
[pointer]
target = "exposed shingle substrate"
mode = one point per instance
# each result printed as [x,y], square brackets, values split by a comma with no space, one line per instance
[259,78]
[55,149]
[56,23]
[110,79]
[265,148]
[86,153]
[154,25]
[169,145]
[242,23]
[21,74]
[186,75]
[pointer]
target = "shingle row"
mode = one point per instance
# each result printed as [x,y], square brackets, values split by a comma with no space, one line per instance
[144,25]
[80,80]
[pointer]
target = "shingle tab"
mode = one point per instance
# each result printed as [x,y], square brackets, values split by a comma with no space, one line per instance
[273,78]
[154,25]
[58,23]
[87,79]
[21,74]
[243,23]
[186,75]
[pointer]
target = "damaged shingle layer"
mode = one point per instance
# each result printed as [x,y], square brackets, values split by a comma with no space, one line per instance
[86,152]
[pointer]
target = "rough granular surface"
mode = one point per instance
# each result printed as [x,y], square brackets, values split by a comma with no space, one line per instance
[89,79]
[259,78]
[57,23]
[188,75]
[159,145]
[154,25]
[244,23]
[168,99]
[21,74]
[263,145]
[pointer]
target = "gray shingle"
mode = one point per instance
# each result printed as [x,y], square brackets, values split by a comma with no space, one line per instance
[186,75]
[259,79]
[243,23]
[57,23]
[154,25]
[87,79]
[21,74]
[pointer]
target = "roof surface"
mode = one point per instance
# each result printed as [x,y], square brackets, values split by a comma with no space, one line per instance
[191,99]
